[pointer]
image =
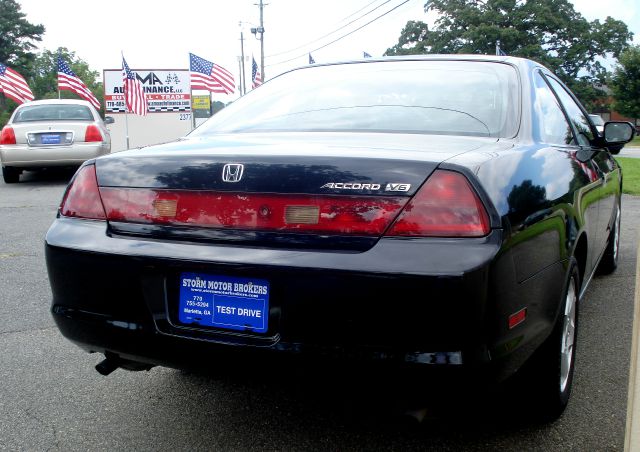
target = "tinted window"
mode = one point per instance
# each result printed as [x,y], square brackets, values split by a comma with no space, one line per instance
[53,112]
[574,112]
[552,125]
[436,97]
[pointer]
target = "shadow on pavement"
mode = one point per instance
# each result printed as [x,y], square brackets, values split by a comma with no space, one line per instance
[361,400]
[46,176]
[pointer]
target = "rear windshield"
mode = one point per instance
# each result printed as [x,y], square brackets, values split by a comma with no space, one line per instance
[53,113]
[433,97]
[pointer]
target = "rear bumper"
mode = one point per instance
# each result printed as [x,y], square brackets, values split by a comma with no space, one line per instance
[25,156]
[404,302]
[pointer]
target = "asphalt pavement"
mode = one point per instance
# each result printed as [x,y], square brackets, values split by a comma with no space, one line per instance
[51,397]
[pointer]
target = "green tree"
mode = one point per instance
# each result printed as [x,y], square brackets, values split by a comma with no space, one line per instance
[626,83]
[526,198]
[216,106]
[17,37]
[548,31]
[44,82]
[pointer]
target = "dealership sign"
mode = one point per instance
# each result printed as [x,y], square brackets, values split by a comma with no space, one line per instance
[202,103]
[165,90]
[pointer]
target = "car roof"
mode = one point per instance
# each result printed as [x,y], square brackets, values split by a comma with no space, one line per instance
[441,57]
[516,61]
[56,102]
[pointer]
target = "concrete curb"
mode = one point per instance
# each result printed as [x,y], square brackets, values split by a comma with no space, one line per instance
[632,436]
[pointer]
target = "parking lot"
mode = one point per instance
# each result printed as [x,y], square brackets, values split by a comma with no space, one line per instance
[52,398]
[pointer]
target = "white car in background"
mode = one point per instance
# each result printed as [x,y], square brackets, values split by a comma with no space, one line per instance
[598,122]
[54,132]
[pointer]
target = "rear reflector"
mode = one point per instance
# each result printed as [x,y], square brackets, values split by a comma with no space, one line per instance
[318,214]
[92,134]
[7,136]
[82,199]
[445,206]
[517,318]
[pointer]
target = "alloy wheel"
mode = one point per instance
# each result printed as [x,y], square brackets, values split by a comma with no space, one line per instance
[568,335]
[616,236]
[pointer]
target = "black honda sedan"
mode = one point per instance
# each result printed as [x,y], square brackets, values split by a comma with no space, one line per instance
[443,214]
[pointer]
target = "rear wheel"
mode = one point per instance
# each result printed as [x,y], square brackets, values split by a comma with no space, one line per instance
[609,261]
[549,374]
[10,174]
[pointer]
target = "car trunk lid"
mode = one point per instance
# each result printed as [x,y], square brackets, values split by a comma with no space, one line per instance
[312,163]
[46,133]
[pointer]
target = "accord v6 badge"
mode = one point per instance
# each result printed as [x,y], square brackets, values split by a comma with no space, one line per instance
[359,186]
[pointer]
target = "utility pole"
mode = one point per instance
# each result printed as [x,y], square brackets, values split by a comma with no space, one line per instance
[260,30]
[240,72]
[262,43]
[243,91]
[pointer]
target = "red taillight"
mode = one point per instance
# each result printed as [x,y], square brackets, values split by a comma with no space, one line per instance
[362,215]
[82,199]
[92,134]
[7,136]
[445,206]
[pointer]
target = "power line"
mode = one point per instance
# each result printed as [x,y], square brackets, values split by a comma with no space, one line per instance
[353,14]
[334,31]
[341,37]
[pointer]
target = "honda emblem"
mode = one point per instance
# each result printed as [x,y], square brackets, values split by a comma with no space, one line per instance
[232,172]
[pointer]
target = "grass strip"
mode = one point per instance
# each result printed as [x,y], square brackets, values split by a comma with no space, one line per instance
[630,175]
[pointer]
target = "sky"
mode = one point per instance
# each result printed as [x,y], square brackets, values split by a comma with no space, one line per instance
[160,34]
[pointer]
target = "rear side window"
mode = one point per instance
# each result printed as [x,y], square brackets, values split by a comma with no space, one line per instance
[552,125]
[574,112]
[53,112]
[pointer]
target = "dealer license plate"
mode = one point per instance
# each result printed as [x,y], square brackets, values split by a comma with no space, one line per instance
[50,138]
[224,302]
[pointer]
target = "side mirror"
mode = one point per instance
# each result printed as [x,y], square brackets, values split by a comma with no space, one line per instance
[109,120]
[616,134]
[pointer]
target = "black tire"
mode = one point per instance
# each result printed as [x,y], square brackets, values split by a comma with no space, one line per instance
[609,261]
[548,375]
[10,175]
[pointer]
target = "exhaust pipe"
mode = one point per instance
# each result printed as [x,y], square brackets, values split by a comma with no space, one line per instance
[107,365]
[113,361]
[416,416]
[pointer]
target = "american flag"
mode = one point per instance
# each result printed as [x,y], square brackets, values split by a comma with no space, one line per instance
[256,78]
[133,92]
[68,80]
[210,76]
[13,85]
